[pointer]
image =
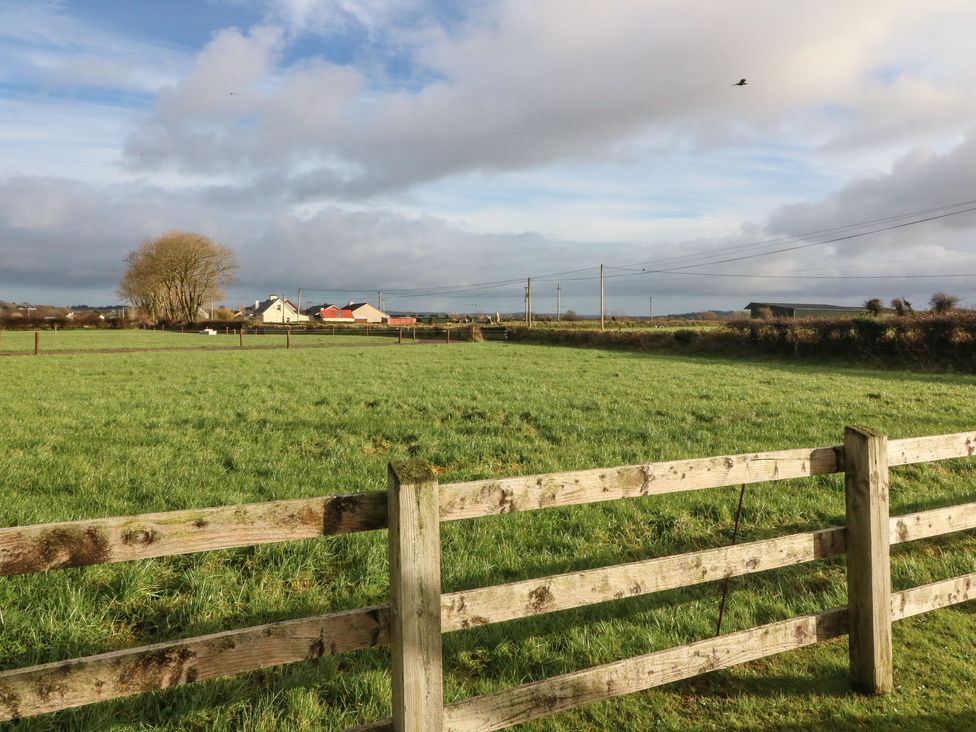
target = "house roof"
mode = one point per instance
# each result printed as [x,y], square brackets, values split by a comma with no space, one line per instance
[804,306]
[354,306]
[266,304]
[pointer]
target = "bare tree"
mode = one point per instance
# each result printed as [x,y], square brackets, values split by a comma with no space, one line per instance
[942,303]
[170,278]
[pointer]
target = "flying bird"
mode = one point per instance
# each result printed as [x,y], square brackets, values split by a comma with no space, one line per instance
[740,82]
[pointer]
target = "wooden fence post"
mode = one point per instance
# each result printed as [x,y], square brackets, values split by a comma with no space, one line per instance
[37,342]
[448,329]
[288,338]
[242,336]
[415,596]
[400,335]
[868,559]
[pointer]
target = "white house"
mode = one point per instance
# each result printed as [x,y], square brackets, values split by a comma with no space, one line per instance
[363,311]
[276,310]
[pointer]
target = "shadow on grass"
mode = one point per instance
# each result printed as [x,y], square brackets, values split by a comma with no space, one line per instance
[959,721]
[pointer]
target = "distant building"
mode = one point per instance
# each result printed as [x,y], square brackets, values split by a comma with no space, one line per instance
[365,313]
[803,310]
[275,310]
[335,314]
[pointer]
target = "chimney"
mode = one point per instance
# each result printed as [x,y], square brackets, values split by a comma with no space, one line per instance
[257,304]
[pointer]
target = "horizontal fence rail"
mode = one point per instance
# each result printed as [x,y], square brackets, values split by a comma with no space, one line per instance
[60,685]
[161,665]
[59,545]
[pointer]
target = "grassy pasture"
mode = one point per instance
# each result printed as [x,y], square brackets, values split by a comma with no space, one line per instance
[22,341]
[122,433]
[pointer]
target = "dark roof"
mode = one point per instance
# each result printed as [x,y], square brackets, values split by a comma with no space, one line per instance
[265,304]
[803,306]
[356,305]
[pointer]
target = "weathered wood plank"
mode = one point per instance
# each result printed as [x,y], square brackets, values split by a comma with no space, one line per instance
[868,559]
[499,603]
[937,522]
[42,547]
[560,693]
[415,592]
[53,686]
[933,596]
[246,649]
[530,492]
[931,448]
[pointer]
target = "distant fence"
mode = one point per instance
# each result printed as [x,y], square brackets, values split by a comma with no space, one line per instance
[402,334]
[418,613]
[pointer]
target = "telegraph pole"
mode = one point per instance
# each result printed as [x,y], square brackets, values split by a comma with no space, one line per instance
[379,299]
[299,301]
[557,303]
[601,297]
[528,297]
[651,309]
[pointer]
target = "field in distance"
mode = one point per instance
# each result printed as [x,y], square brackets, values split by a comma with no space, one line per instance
[123,433]
[22,341]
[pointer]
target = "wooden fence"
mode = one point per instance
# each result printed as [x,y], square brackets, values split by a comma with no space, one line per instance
[419,613]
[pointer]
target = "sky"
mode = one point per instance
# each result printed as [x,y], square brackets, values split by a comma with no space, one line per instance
[443,152]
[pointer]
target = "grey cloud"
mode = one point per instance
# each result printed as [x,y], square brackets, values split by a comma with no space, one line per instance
[67,243]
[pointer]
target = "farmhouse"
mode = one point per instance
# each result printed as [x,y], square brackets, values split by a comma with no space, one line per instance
[335,314]
[275,310]
[803,310]
[366,313]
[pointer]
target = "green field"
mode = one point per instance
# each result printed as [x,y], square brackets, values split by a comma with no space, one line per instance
[51,341]
[121,433]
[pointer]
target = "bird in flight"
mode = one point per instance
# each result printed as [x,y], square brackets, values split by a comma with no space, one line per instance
[740,82]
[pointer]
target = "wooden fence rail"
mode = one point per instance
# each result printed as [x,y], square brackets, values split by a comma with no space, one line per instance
[420,613]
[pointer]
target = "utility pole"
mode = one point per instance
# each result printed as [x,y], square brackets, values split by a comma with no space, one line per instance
[379,299]
[650,314]
[299,303]
[526,298]
[557,303]
[601,297]
[529,296]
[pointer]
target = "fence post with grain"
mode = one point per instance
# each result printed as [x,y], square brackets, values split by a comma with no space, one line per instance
[868,560]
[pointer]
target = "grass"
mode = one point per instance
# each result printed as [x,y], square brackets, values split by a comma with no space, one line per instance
[122,433]
[51,341]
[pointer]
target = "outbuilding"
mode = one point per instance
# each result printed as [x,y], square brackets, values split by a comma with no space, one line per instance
[803,310]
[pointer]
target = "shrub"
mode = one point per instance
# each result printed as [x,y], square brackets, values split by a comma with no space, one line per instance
[685,337]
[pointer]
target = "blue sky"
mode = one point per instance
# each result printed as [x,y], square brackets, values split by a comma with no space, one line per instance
[412,146]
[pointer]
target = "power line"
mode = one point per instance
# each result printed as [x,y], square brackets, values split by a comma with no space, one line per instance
[808,235]
[809,244]
[484,288]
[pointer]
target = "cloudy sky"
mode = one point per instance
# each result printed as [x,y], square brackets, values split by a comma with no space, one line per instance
[444,151]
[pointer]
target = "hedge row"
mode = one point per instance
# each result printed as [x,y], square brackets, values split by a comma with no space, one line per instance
[930,340]
[927,341]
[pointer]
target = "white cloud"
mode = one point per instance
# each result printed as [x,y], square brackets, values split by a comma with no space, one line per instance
[528,84]
[518,138]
